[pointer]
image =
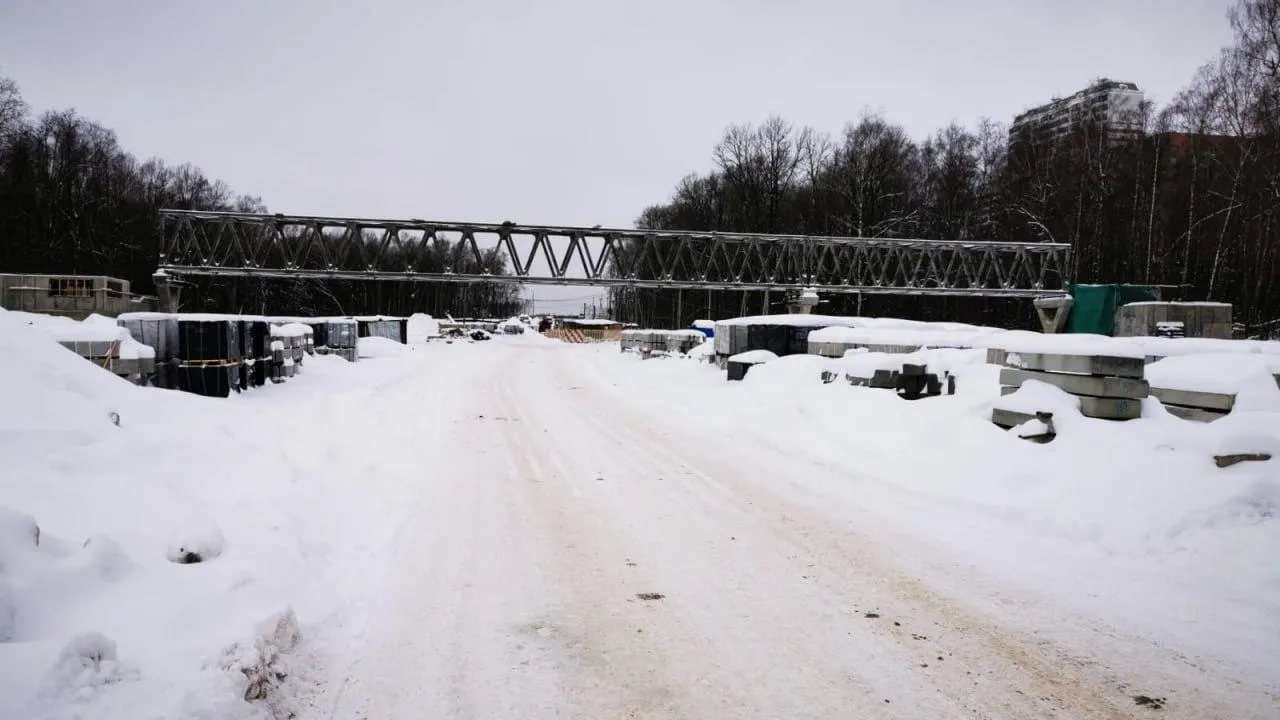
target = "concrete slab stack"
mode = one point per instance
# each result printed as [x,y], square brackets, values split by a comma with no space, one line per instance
[1108,387]
[655,342]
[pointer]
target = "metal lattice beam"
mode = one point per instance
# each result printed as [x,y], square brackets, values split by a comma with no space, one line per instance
[250,245]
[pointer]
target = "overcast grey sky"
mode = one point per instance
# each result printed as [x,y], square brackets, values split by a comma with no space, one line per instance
[560,111]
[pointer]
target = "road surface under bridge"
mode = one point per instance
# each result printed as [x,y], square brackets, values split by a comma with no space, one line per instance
[197,243]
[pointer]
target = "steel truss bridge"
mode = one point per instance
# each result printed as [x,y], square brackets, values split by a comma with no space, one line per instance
[197,243]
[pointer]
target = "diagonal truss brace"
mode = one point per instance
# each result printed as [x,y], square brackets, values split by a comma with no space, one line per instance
[279,246]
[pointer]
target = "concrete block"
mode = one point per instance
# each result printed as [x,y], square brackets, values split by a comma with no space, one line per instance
[996,356]
[1196,414]
[828,349]
[1099,386]
[1080,364]
[1010,418]
[913,369]
[1108,408]
[886,379]
[1223,461]
[1192,398]
[894,349]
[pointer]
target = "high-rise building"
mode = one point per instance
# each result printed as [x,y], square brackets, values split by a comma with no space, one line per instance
[1114,107]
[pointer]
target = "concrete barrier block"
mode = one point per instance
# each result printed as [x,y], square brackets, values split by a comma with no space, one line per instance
[1010,418]
[1194,413]
[1099,386]
[1195,399]
[1107,408]
[1079,364]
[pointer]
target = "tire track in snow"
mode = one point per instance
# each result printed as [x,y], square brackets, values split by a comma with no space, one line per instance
[1032,676]
[516,597]
[762,643]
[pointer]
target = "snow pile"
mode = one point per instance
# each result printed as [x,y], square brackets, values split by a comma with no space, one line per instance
[293,330]
[94,329]
[421,328]
[195,540]
[940,335]
[1151,347]
[104,612]
[1067,344]
[1034,396]
[1168,347]
[380,347]
[861,363]
[1251,377]
[701,351]
[515,326]
[754,357]
[796,320]
[785,372]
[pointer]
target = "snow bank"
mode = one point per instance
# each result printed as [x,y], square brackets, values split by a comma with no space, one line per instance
[1083,344]
[1067,344]
[1035,396]
[1169,347]
[694,334]
[421,328]
[753,357]
[942,334]
[786,372]
[1251,377]
[97,622]
[1129,522]
[793,320]
[95,329]
[380,347]
[1216,373]
[863,364]
[590,322]
[702,351]
[294,330]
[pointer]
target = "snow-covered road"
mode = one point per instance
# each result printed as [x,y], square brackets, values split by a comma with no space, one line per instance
[572,548]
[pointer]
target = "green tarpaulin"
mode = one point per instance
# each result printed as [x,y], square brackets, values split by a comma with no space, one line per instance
[1094,307]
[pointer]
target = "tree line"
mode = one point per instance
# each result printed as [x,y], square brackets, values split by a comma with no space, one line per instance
[73,201]
[1191,202]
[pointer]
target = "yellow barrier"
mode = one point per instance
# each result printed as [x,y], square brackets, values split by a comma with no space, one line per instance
[581,335]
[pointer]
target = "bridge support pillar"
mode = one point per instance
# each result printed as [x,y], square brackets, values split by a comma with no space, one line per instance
[168,290]
[1053,312]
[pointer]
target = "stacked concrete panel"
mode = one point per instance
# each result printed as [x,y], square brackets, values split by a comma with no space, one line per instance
[1194,405]
[655,342]
[1108,387]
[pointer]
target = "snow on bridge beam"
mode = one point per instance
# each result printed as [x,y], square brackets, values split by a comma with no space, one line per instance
[279,246]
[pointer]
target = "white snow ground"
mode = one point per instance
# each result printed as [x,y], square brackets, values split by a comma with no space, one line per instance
[464,531]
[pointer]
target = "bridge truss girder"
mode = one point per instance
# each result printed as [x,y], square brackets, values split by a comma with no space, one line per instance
[278,246]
